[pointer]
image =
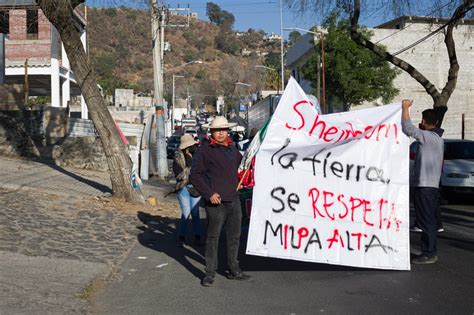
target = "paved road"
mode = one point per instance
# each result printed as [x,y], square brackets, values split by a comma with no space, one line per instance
[158,277]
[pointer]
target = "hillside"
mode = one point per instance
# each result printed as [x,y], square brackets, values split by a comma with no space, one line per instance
[120,51]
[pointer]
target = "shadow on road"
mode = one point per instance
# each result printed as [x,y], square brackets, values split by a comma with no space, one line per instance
[159,233]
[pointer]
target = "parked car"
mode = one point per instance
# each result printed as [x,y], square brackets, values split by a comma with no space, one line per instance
[172,145]
[458,168]
[192,132]
[457,177]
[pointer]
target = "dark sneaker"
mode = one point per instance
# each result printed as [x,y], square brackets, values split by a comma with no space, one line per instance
[207,281]
[424,260]
[238,276]
[416,229]
[440,229]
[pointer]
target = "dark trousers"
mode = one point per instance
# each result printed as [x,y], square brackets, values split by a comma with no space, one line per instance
[230,215]
[426,200]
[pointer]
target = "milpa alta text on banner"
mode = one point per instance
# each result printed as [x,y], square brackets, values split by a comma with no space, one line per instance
[332,188]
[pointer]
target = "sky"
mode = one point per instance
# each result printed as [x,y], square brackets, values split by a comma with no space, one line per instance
[265,14]
[256,14]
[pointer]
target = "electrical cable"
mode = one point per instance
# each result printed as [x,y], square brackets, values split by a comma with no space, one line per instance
[430,13]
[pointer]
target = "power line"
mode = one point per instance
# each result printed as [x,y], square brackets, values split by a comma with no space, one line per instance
[421,39]
[427,36]
[243,4]
[409,25]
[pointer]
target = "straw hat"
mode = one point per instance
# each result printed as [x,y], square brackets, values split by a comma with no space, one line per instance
[186,141]
[220,122]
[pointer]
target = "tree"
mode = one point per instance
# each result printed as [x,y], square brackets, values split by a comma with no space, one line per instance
[353,10]
[218,16]
[61,14]
[353,74]
[293,37]
[227,42]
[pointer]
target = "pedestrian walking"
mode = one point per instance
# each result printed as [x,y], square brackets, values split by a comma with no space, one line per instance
[427,174]
[214,174]
[188,196]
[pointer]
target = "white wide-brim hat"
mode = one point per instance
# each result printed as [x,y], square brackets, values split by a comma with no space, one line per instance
[186,141]
[220,122]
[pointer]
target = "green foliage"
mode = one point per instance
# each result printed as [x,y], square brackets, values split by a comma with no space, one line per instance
[189,36]
[104,66]
[200,74]
[227,42]
[111,12]
[353,74]
[218,16]
[252,39]
[39,100]
[272,60]
[202,43]
[293,37]
[191,55]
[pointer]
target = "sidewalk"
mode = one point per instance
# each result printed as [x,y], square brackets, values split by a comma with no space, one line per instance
[37,176]
[59,234]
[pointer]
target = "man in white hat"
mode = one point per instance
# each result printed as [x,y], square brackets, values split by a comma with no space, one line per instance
[214,175]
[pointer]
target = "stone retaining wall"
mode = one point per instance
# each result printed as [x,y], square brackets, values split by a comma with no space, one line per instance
[42,134]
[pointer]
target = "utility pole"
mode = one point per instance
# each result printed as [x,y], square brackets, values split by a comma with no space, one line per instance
[174,100]
[282,48]
[157,20]
[27,85]
[2,58]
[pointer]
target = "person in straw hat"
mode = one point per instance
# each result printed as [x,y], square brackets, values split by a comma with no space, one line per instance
[188,197]
[214,175]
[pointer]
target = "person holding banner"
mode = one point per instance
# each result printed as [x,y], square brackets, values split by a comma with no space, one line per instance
[214,175]
[428,166]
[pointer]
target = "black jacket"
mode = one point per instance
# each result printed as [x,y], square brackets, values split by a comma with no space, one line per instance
[214,170]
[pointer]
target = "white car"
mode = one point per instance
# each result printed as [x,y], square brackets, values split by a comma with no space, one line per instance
[457,176]
[458,167]
[192,132]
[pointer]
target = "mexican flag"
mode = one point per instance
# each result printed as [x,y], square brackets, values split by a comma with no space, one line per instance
[246,167]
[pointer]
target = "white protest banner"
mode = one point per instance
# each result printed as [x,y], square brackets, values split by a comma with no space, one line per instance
[332,188]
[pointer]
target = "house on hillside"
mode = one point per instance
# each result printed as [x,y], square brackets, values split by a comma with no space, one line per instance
[429,57]
[32,45]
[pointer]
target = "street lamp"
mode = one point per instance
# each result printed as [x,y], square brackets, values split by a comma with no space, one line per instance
[242,83]
[321,36]
[247,107]
[174,99]
[271,69]
[184,64]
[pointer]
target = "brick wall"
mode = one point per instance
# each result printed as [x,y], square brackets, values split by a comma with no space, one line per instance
[44,27]
[17,24]
[18,48]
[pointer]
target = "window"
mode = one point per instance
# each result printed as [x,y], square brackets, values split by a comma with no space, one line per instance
[32,24]
[5,22]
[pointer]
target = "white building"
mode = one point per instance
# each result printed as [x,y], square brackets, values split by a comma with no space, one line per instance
[429,57]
